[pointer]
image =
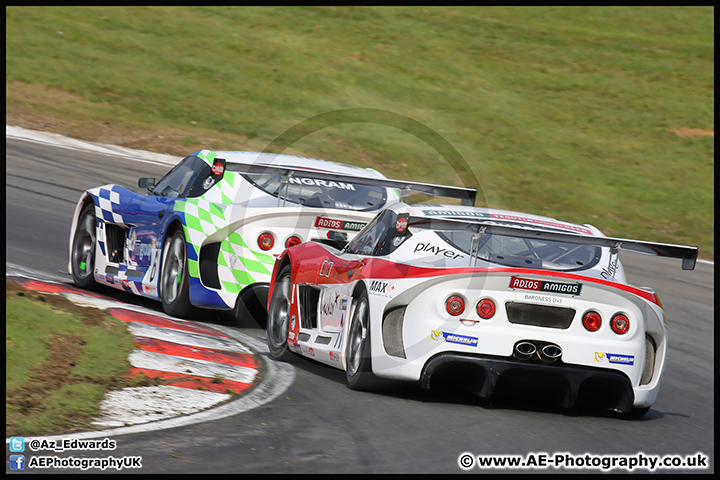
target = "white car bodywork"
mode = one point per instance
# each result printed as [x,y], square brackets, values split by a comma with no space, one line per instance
[413,335]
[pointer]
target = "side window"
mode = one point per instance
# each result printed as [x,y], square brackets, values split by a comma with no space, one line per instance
[203,182]
[378,237]
[186,179]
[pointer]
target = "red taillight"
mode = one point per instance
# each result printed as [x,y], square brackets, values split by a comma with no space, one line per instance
[292,241]
[592,321]
[620,323]
[486,308]
[455,305]
[266,241]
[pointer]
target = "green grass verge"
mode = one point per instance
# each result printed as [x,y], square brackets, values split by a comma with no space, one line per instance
[601,115]
[61,359]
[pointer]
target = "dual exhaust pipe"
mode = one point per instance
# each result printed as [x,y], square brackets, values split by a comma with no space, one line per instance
[547,353]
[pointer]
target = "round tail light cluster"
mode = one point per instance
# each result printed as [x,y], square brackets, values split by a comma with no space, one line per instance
[592,321]
[292,241]
[455,305]
[620,323]
[266,241]
[486,308]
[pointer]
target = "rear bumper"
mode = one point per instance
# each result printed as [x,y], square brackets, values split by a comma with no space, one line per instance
[567,384]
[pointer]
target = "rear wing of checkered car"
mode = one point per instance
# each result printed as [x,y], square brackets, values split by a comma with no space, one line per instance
[687,254]
[466,195]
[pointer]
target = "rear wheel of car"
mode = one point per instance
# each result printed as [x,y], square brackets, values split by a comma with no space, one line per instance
[82,262]
[278,320]
[357,352]
[251,307]
[174,281]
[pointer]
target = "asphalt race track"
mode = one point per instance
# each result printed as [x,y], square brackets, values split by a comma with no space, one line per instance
[318,425]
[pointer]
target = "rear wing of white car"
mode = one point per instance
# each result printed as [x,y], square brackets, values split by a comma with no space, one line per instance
[466,195]
[478,228]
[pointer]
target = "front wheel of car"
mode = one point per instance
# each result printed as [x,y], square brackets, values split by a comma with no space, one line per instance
[82,261]
[174,279]
[357,352]
[278,319]
[638,412]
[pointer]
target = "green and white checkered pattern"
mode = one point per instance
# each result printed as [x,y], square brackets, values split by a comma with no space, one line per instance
[239,266]
[202,219]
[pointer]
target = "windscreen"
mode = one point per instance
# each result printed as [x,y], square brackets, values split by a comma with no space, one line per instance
[189,178]
[378,238]
[314,192]
[529,253]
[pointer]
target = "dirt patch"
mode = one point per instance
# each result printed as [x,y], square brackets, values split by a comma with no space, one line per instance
[48,377]
[693,132]
[88,315]
[64,350]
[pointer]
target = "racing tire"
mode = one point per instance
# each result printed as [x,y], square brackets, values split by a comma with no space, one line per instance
[82,258]
[359,372]
[174,279]
[278,319]
[638,412]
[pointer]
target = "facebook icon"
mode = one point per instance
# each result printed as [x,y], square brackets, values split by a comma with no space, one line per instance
[17,462]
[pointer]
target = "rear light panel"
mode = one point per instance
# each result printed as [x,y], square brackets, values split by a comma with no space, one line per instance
[292,241]
[486,308]
[266,241]
[455,305]
[592,321]
[620,323]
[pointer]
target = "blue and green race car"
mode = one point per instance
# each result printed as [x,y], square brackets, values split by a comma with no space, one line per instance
[208,233]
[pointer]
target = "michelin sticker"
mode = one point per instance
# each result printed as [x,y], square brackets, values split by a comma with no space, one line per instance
[441,336]
[604,357]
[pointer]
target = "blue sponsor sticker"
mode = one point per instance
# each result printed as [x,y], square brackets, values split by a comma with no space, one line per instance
[604,357]
[453,338]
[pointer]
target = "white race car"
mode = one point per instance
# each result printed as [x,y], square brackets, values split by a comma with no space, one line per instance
[480,296]
[207,234]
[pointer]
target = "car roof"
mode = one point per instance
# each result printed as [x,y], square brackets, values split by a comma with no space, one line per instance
[304,163]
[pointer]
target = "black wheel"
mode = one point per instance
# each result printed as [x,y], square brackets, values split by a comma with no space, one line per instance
[82,262]
[251,307]
[357,352]
[174,281]
[278,319]
[638,412]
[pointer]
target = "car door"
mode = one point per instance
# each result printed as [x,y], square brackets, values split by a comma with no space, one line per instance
[339,271]
[334,280]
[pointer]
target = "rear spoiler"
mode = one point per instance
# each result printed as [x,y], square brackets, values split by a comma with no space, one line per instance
[467,195]
[687,254]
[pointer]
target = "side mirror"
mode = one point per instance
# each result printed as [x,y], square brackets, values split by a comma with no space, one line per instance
[146,183]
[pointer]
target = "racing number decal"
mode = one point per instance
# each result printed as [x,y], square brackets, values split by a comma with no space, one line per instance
[326,267]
